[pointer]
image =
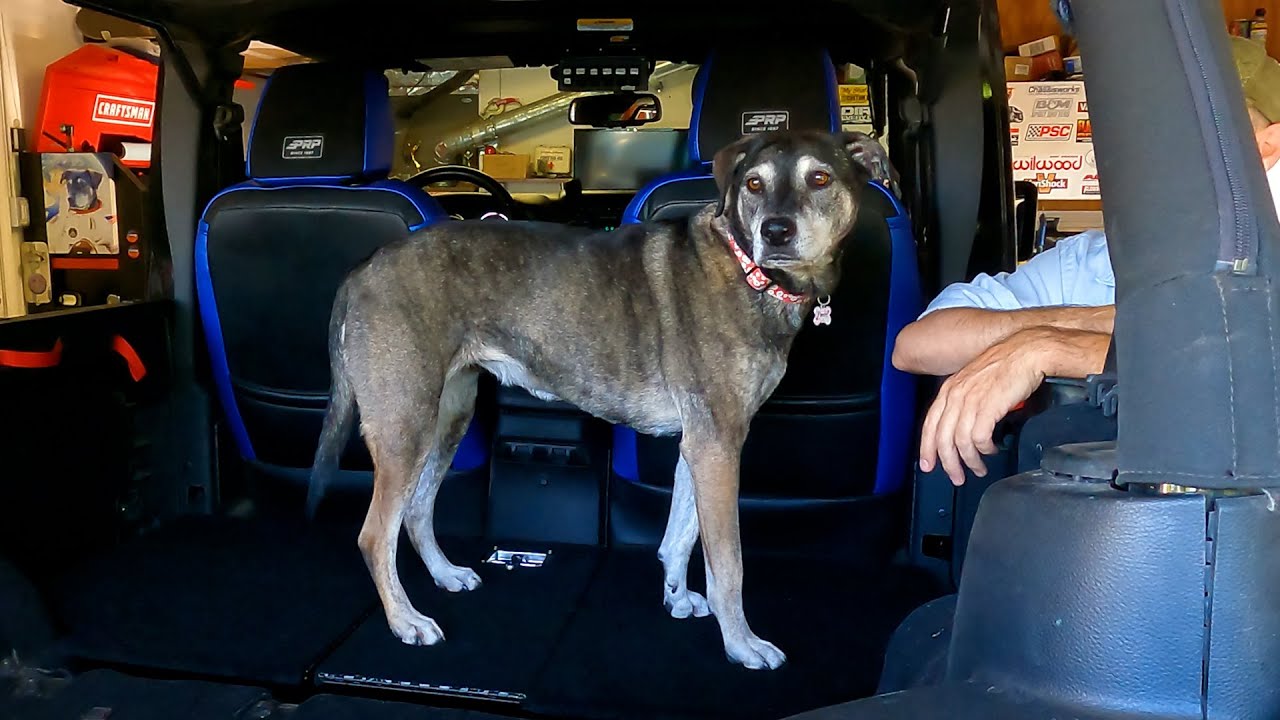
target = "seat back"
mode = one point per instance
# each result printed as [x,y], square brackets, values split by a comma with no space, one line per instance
[272,251]
[839,424]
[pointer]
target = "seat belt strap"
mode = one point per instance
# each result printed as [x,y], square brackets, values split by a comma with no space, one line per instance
[32,359]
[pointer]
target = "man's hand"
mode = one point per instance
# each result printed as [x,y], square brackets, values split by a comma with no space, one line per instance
[959,426]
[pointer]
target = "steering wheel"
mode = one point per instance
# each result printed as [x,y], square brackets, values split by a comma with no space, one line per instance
[461,173]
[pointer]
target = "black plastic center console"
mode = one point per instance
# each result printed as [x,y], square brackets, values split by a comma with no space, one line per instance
[549,471]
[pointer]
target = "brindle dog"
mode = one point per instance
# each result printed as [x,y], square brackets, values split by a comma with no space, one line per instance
[666,327]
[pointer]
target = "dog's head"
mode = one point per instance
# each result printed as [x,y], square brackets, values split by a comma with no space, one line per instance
[82,188]
[791,198]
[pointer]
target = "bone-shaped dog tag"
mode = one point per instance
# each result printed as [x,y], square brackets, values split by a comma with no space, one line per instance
[822,313]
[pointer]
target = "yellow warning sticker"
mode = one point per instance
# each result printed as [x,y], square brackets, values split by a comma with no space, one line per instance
[854,95]
[614,25]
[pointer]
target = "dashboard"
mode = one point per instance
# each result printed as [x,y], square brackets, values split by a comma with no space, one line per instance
[594,210]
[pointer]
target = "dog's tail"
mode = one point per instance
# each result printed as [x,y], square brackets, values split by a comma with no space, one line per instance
[340,412]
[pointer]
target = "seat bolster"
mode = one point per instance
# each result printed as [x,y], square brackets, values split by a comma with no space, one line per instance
[426,205]
[208,308]
[898,388]
[641,207]
[413,205]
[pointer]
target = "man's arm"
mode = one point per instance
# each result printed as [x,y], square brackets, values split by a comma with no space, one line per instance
[1067,286]
[958,428]
[944,341]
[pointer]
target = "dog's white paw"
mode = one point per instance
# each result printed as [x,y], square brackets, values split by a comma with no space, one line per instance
[755,654]
[414,628]
[455,579]
[683,603]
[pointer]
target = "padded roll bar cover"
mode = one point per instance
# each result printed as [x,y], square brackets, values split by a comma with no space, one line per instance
[1195,347]
[953,702]
[1080,594]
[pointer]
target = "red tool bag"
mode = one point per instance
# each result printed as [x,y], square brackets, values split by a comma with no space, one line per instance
[98,99]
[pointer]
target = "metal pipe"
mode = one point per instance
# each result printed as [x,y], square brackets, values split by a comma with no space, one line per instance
[488,130]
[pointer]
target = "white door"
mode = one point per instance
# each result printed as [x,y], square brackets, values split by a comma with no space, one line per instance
[12,210]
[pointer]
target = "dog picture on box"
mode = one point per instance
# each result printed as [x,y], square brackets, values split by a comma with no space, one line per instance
[80,205]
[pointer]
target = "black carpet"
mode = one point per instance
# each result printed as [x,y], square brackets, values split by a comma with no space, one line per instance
[256,602]
[624,657]
[496,637]
[337,707]
[24,623]
[110,695]
[584,636]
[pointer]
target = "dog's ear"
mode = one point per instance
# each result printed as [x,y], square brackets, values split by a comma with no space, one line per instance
[868,153]
[66,176]
[725,167]
[95,178]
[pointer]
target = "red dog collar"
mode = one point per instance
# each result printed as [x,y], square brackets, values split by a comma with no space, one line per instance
[756,277]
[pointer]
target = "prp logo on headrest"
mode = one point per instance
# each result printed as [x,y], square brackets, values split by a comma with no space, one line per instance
[303,147]
[765,121]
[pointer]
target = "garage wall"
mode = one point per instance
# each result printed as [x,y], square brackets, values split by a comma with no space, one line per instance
[1022,21]
[41,31]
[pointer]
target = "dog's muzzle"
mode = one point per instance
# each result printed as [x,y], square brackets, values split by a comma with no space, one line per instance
[778,231]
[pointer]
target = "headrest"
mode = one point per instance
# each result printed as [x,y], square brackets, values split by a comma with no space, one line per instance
[318,121]
[740,91]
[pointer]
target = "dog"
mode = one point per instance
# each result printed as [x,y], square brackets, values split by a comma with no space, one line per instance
[668,327]
[77,222]
[82,189]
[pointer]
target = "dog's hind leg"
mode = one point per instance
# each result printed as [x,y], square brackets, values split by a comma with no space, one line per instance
[457,406]
[399,398]
[677,546]
[714,464]
[398,459]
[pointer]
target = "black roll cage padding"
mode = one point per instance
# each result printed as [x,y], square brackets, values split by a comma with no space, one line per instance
[1194,262]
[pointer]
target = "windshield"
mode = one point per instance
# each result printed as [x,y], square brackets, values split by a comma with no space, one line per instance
[513,124]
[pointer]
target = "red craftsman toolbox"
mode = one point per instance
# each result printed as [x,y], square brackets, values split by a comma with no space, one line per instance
[99,99]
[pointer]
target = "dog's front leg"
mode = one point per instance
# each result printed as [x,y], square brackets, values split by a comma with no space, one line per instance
[677,546]
[714,464]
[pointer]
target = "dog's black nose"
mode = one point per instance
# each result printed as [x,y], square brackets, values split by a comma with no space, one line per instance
[778,231]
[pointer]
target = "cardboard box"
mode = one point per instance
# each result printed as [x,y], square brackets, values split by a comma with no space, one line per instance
[1022,69]
[1052,139]
[1039,47]
[505,166]
[552,160]
[1017,69]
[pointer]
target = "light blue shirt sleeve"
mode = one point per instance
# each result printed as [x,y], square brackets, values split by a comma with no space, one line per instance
[1075,271]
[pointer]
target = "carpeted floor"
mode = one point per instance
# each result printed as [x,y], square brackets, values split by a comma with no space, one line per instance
[337,707]
[249,601]
[624,657]
[496,637]
[111,695]
[585,636]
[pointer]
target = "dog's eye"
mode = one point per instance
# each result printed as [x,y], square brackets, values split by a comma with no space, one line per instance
[820,179]
[755,184]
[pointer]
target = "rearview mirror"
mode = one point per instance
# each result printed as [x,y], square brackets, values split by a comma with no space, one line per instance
[615,110]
